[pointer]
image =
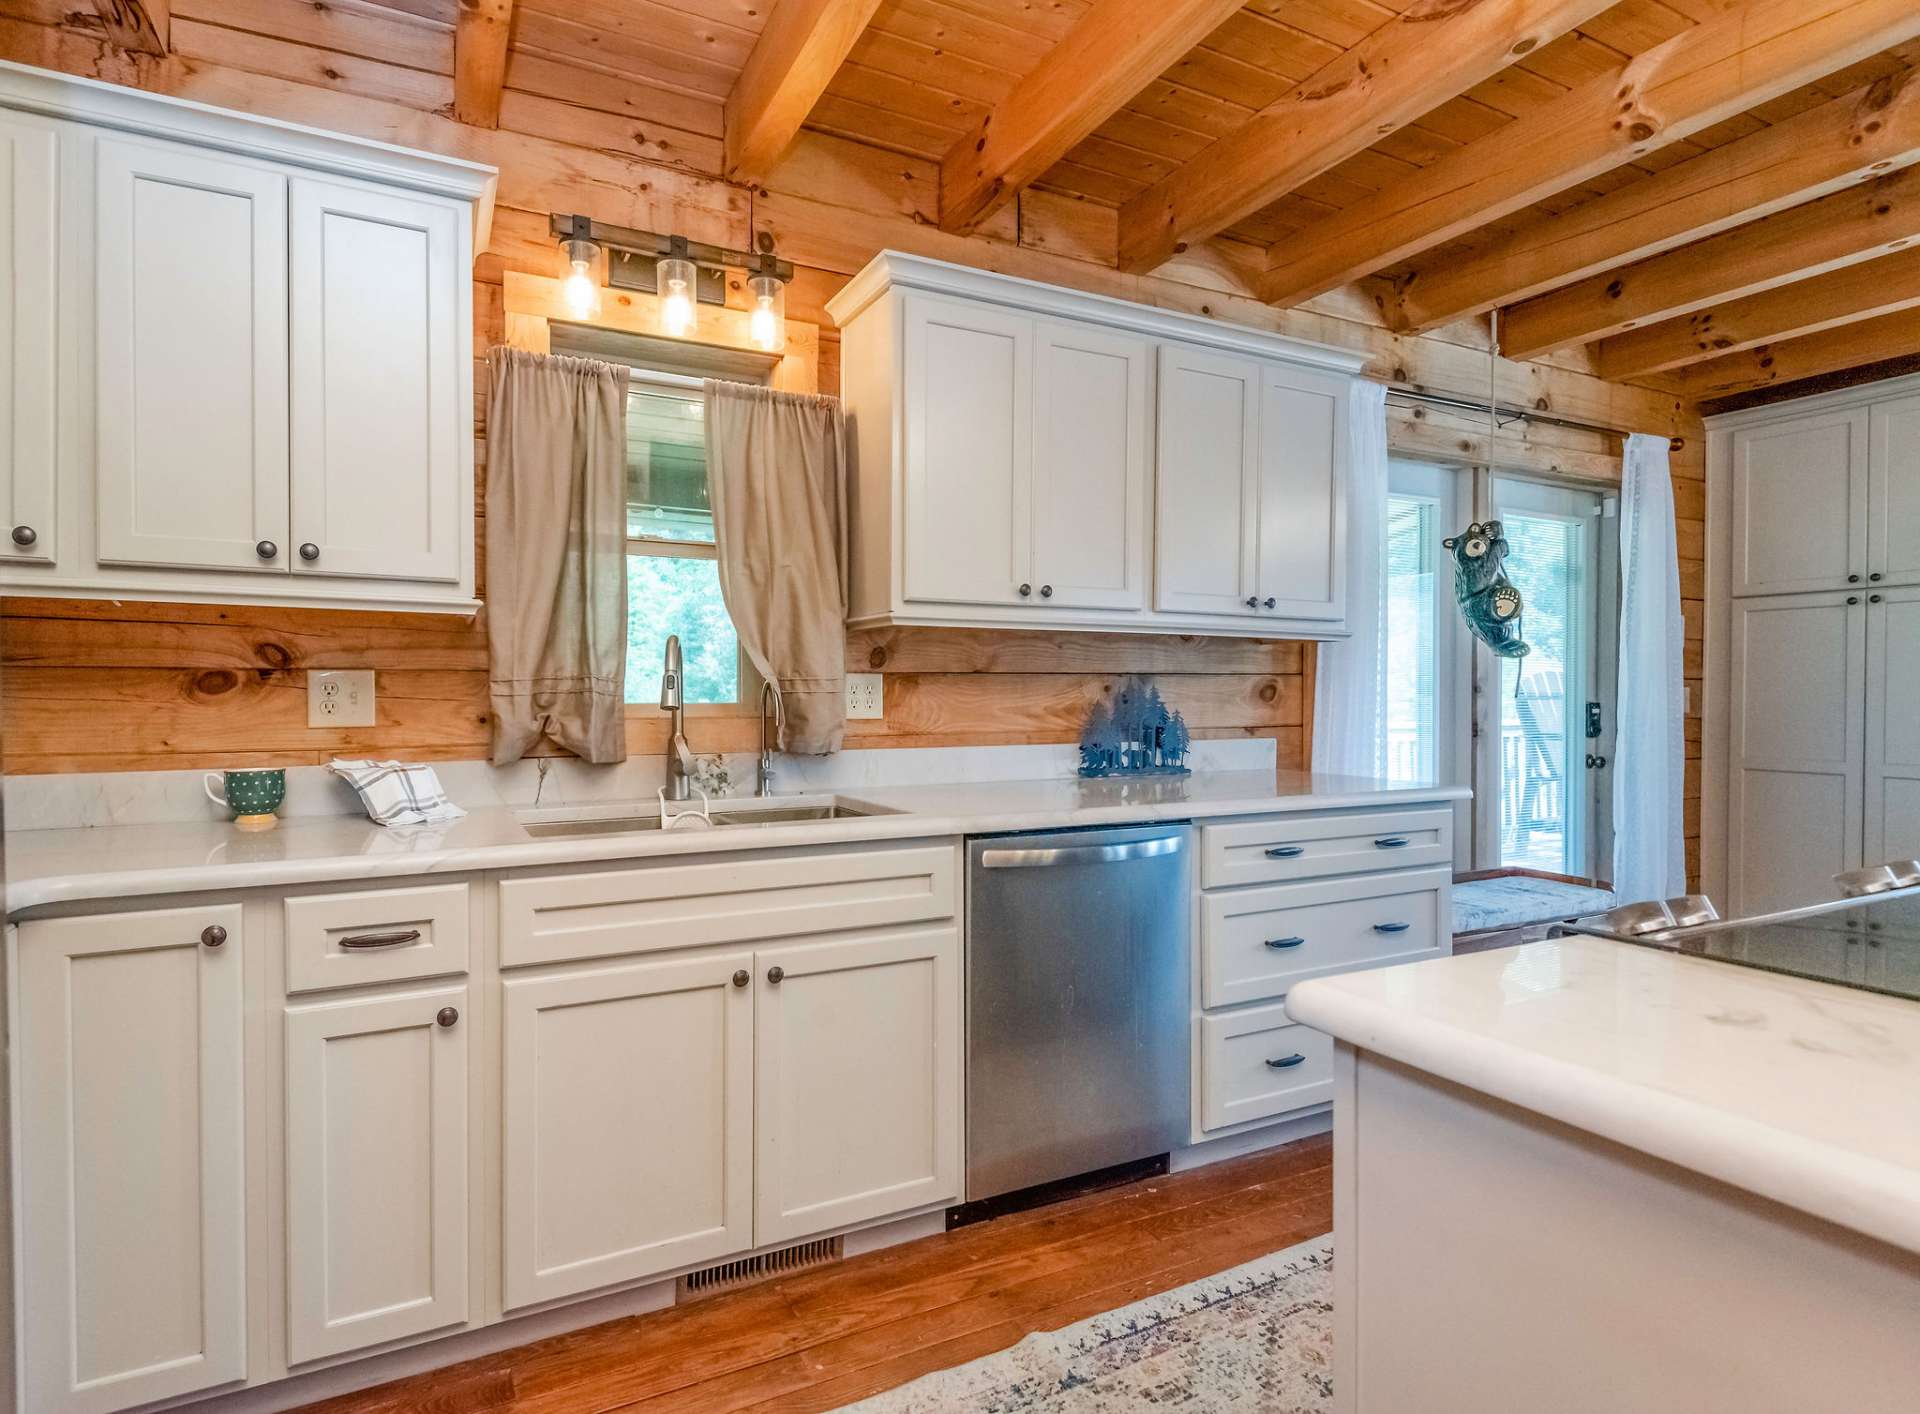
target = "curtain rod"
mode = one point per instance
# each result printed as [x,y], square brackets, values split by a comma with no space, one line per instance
[1506,411]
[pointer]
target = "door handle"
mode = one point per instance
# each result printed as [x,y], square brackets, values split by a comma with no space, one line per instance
[1286,851]
[1282,944]
[1287,1062]
[1078,854]
[1391,927]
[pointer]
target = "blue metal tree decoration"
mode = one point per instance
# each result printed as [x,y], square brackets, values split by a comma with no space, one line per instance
[1136,734]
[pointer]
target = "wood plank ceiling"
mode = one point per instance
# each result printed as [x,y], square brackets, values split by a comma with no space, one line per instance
[1710,193]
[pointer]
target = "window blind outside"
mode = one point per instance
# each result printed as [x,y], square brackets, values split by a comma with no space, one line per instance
[667,466]
[1536,743]
[1412,724]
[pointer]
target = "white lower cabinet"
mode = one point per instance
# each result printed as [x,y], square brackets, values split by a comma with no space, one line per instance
[628,1122]
[131,1157]
[856,1080]
[376,1184]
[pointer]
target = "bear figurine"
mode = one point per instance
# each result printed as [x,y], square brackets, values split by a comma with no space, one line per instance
[1489,602]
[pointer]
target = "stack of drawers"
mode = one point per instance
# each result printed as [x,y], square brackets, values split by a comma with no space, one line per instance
[1287,897]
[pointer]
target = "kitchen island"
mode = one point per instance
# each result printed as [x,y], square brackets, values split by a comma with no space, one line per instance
[1586,1176]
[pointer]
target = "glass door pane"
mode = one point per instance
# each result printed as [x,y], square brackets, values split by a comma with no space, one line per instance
[1413,729]
[1543,781]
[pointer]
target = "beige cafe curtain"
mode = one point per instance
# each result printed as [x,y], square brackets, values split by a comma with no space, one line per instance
[776,468]
[557,554]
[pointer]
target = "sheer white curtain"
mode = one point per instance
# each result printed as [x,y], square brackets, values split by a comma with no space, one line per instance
[1649,772]
[1350,693]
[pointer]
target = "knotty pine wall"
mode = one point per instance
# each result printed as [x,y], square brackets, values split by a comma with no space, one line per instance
[96,686]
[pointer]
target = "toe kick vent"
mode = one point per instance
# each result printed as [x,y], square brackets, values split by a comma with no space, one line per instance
[763,1266]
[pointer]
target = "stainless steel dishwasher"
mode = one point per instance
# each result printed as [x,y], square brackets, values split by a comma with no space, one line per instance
[1077,1002]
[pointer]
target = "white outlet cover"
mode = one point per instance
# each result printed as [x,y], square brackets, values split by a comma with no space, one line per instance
[866,695]
[340,697]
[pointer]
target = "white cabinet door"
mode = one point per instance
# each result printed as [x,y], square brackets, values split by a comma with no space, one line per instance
[628,1122]
[1208,484]
[1303,504]
[969,455]
[856,1080]
[1800,504]
[376,1170]
[1796,748]
[1893,727]
[1893,501]
[30,341]
[377,348]
[190,406]
[130,1157]
[1090,447]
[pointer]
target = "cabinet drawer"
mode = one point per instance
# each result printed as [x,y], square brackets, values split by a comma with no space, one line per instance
[375,935]
[1257,1064]
[565,916]
[1283,847]
[1255,943]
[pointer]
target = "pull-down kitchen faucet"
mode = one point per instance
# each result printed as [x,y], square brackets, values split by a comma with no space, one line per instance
[673,701]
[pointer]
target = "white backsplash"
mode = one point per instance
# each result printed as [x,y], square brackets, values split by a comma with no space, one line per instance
[161,797]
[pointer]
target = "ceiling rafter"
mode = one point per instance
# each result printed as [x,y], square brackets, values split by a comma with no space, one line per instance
[1846,228]
[1860,135]
[1769,365]
[1435,51]
[1844,296]
[1116,50]
[1749,54]
[795,58]
[480,39]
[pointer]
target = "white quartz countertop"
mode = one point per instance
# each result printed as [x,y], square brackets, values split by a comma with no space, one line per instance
[117,861]
[1803,1092]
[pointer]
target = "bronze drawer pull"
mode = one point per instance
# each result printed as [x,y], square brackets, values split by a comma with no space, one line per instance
[360,942]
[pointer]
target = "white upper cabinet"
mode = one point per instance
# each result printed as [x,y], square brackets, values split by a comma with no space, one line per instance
[1800,504]
[260,337]
[1209,486]
[190,341]
[1893,521]
[969,453]
[377,413]
[1091,450]
[29,312]
[1033,456]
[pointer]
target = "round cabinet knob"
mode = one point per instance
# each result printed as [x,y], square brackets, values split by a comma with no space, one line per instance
[24,535]
[213,936]
[266,550]
[446,1016]
[1253,601]
[1873,598]
[1046,591]
[774,974]
[1853,579]
[1025,590]
[1853,598]
[1269,601]
[1873,579]
[309,551]
[741,978]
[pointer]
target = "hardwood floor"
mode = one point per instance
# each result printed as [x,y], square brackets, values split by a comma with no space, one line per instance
[823,1338]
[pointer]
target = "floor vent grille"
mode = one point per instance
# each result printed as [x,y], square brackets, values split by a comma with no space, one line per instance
[763,1266]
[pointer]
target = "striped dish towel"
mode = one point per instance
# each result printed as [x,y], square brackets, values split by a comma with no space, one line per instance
[398,794]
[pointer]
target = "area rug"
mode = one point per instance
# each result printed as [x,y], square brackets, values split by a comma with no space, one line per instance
[1257,1338]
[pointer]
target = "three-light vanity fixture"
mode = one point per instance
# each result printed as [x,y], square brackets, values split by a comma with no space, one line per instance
[684,274]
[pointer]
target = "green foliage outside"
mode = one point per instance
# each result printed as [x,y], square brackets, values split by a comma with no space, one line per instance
[679,596]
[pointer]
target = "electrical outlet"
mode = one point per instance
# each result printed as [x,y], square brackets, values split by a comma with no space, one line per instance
[340,697]
[866,695]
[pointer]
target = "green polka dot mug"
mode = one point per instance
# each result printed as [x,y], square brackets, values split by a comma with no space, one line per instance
[251,795]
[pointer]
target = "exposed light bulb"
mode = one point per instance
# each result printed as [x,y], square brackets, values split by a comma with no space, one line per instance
[676,310]
[580,291]
[767,325]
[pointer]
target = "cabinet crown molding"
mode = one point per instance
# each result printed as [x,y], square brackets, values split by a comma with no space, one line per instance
[892,269]
[1863,395]
[26,89]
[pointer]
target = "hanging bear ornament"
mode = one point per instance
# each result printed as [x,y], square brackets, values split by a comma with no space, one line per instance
[1490,604]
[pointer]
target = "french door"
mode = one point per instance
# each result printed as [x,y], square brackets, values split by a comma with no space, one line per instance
[1545,738]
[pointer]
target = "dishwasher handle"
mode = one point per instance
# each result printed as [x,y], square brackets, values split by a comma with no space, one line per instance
[1079,854]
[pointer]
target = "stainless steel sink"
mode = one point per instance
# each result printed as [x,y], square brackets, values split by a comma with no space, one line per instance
[629,816]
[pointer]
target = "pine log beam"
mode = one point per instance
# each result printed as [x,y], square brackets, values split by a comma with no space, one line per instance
[1726,66]
[480,40]
[793,61]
